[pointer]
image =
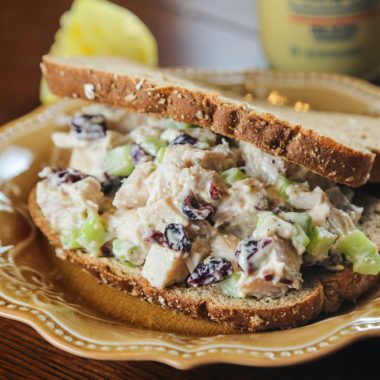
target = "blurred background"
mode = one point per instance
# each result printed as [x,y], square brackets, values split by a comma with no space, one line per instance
[318,35]
[207,33]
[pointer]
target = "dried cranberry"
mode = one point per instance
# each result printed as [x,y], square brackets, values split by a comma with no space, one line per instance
[278,209]
[269,277]
[177,238]
[246,249]
[68,176]
[214,191]
[89,127]
[111,184]
[155,236]
[106,249]
[194,210]
[215,270]
[286,281]
[138,154]
[184,139]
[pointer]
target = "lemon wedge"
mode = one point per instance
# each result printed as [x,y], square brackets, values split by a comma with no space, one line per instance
[99,27]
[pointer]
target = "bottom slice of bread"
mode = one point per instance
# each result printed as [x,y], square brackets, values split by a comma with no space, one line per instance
[322,291]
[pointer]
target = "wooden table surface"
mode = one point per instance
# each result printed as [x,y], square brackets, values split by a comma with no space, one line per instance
[26,30]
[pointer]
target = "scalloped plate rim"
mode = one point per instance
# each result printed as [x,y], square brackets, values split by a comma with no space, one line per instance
[142,355]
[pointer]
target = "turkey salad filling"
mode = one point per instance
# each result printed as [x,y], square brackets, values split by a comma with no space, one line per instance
[189,206]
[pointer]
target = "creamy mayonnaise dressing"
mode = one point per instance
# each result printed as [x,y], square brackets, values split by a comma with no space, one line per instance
[178,208]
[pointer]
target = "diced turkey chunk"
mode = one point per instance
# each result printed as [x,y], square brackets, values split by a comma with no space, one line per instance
[67,205]
[199,250]
[275,271]
[339,222]
[340,201]
[218,158]
[134,191]
[89,156]
[161,213]
[164,267]
[67,141]
[139,135]
[177,182]
[224,246]
[314,202]
[237,212]
[263,166]
[126,225]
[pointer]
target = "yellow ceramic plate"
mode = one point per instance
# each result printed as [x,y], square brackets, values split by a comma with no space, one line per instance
[72,311]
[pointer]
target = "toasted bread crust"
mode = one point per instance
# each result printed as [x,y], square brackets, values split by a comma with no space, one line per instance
[297,308]
[182,101]
[375,172]
[344,286]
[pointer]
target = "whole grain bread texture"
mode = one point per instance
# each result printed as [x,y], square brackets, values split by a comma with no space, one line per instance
[138,88]
[322,293]
[351,130]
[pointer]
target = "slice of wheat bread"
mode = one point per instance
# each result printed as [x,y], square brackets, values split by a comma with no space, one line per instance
[359,130]
[140,89]
[320,294]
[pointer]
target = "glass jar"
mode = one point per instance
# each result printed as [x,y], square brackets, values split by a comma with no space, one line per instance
[321,35]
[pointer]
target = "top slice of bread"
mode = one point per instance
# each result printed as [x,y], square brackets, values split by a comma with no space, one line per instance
[138,88]
[357,130]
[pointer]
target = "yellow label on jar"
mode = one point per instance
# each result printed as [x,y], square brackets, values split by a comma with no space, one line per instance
[321,35]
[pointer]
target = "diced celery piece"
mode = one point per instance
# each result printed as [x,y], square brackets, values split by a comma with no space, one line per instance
[369,265]
[177,125]
[122,248]
[160,156]
[321,241]
[282,184]
[301,218]
[229,287]
[361,252]
[126,251]
[301,239]
[347,192]
[69,239]
[356,243]
[206,140]
[233,175]
[152,144]
[262,216]
[92,235]
[119,161]
[128,264]
[188,126]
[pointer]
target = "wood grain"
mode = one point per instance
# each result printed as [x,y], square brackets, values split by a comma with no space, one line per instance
[26,32]
[25,355]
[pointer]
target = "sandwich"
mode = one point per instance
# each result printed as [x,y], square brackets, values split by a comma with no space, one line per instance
[206,204]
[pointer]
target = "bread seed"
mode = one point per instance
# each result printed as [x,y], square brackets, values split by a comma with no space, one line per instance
[130,97]
[89,91]
[140,84]
[199,115]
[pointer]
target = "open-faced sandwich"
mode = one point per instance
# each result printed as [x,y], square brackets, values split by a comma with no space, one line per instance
[206,204]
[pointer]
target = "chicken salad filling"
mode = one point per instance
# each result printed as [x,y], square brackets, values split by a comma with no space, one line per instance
[188,206]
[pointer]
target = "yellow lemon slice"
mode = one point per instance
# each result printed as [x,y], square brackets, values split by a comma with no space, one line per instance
[99,27]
